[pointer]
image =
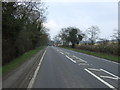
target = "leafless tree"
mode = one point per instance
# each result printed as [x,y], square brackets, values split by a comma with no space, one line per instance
[93,33]
[116,35]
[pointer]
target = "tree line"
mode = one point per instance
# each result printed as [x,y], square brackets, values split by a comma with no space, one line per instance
[22,28]
[89,40]
[74,35]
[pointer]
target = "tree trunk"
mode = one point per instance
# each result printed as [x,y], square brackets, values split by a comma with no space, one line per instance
[73,45]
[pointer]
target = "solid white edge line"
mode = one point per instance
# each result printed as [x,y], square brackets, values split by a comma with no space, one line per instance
[70,59]
[105,60]
[106,83]
[36,71]
[110,73]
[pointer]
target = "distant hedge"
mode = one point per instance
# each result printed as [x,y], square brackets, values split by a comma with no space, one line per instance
[107,48]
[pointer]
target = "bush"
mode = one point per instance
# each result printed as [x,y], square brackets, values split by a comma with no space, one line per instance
[108,48]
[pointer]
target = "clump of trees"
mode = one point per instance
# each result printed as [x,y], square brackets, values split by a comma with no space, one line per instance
[22,28]
[69,35]
[88,40]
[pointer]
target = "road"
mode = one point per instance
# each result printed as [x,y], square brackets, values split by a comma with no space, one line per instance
[62,68]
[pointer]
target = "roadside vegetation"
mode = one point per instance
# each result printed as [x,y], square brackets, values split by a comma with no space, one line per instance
[109,56]
[22,31]
[89,42]
[19,60]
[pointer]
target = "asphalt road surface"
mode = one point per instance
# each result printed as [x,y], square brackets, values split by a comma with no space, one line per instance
[62,68]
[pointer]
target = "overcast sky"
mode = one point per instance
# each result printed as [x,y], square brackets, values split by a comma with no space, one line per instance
[82,15]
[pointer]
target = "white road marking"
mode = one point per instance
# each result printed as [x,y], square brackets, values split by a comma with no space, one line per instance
[80,59]
[96,57]
[67,53]
[36,71]
[110,73]
[83,64]
[61,50]
[61,53]
[58,50]
[109,77]
[94,69]
[106,83]
[70,59]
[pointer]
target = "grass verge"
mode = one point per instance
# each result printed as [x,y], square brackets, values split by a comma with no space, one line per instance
[101,55]
[16,62]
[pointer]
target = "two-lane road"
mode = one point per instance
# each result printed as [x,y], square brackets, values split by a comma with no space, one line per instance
[62,68]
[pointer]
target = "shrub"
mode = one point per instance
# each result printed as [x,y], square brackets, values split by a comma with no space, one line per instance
[107,48]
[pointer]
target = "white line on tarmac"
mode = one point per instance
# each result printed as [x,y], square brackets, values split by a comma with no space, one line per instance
[80,59]
[105,59]
[106,83]
[36,71]
[61,52]
[94,69]
[97,57]
[110,73]
[109,77]
[67,53]
[83,64]
[70,59]
[58,50]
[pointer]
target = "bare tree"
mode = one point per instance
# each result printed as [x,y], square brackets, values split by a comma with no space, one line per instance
[57,40]
[93,33]
[63,34]
[116,35]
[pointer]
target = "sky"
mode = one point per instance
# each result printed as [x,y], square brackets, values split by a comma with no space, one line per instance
[82,15]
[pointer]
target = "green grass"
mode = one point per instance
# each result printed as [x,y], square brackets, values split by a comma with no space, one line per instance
[0,71]
[16,62]
[101,55]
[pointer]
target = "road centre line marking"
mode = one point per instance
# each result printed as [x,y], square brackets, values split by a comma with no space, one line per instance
[106,83]
[36,71]
[80,59]
[83,64]
[109,77]
[61,53]
[70,59]
[94,69]
[67,53]
[110,73]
